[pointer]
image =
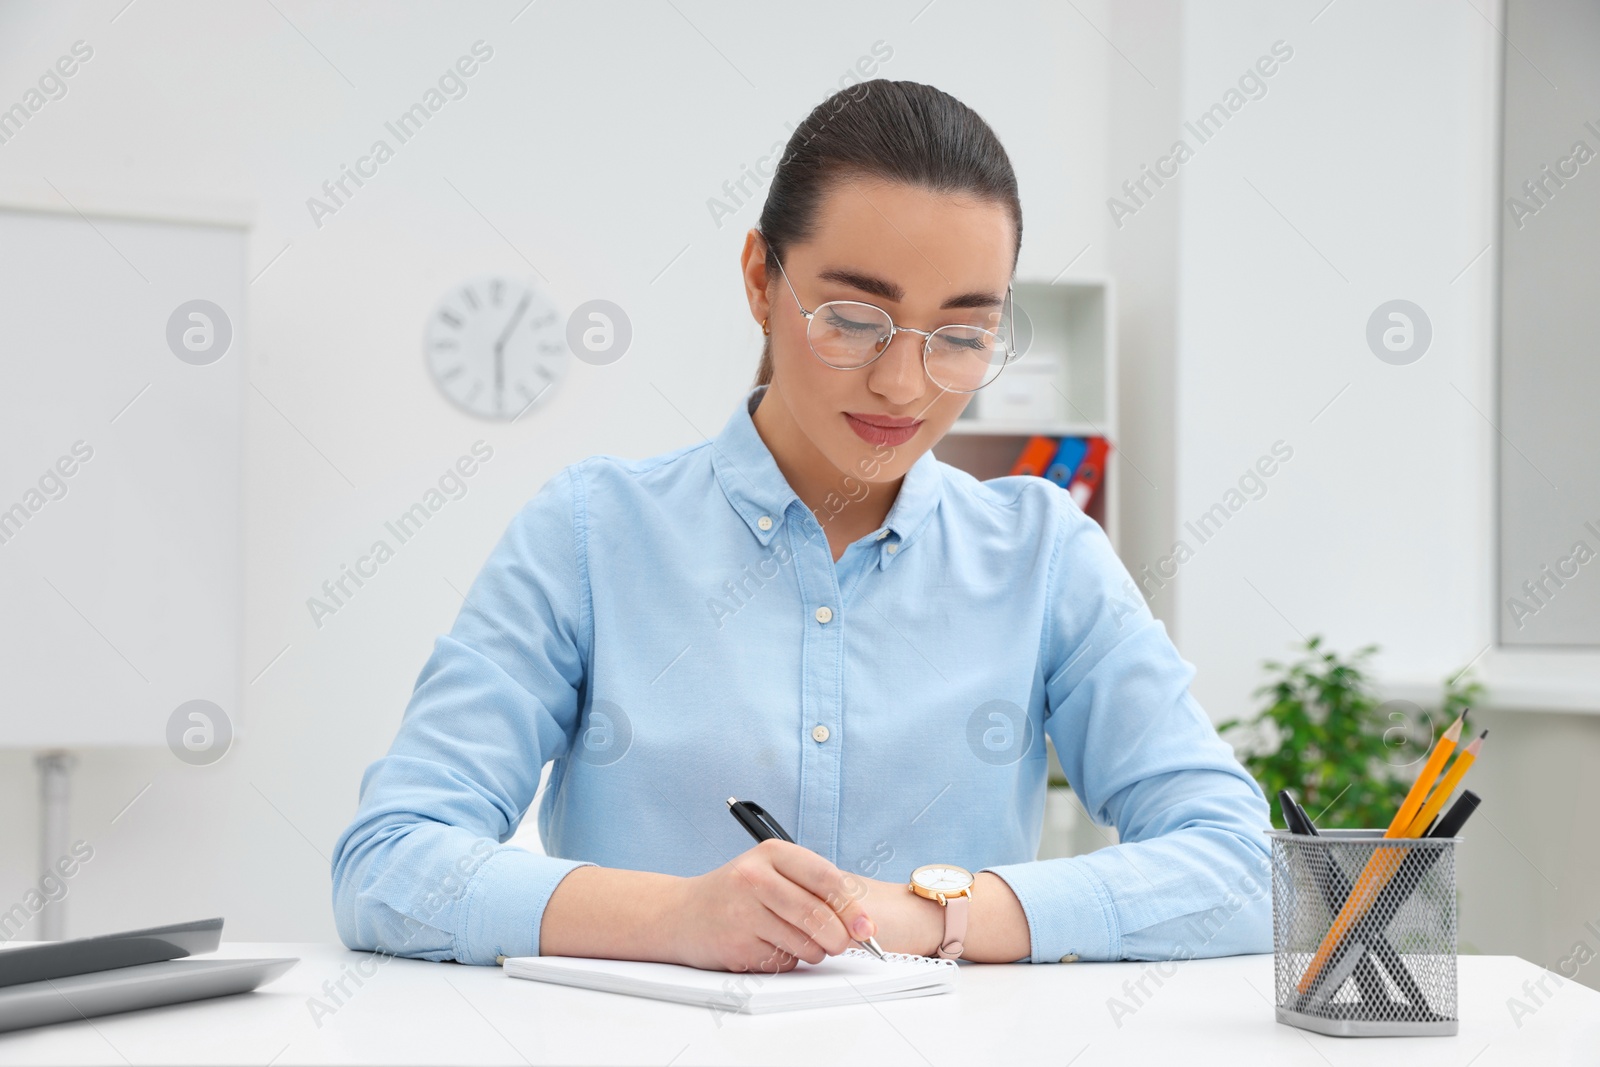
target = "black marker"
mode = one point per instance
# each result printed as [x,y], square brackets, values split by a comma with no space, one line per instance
[1451,822]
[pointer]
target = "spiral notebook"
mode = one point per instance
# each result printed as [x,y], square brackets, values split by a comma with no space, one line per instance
[852,977]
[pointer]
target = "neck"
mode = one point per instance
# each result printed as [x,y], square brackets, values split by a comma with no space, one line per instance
[834,496]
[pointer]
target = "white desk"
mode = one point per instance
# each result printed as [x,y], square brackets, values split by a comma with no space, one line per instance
[1210,1011]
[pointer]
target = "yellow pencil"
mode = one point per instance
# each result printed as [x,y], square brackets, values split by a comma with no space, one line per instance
[1384,861]
[1430,771]
[1441,795]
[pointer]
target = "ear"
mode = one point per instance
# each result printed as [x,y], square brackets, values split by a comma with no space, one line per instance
[753,265]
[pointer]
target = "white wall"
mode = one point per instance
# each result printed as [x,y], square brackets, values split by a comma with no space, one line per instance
[1143,90]
[1360,170]
[591,141]
[1365,174]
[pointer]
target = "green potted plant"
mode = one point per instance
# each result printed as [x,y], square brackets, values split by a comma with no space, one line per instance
[1325,737]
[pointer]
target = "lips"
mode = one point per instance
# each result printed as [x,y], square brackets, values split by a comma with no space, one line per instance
[883,429]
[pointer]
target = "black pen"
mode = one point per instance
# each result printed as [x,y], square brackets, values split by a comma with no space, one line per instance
[1335,888]
[1294,819]
[761,826]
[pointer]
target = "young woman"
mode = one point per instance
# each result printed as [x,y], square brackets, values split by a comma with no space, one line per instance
[811,612]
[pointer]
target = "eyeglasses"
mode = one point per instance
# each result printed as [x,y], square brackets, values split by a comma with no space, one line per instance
[849,334]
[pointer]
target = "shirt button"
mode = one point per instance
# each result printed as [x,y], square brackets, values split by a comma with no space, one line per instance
[819,733]
[882,534]
[824,614]
[1071,957]
[890,549]
[765,522]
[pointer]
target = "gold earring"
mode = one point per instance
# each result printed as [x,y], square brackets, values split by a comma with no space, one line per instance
[764,331]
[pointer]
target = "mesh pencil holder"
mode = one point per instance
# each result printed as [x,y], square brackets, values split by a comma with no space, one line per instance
[1389,968]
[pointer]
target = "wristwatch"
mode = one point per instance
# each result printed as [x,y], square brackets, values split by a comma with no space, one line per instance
[951,886]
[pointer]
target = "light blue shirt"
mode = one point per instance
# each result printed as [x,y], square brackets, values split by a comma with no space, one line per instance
[674,631]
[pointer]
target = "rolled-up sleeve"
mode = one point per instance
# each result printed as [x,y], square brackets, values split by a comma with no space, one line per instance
[1189,877]
[421,870]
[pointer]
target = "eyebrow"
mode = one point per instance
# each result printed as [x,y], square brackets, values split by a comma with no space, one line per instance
[887,290]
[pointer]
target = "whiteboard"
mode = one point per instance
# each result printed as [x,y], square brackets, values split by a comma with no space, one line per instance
[121,581]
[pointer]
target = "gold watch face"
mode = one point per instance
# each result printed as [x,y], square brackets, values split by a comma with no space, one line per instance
[942,878]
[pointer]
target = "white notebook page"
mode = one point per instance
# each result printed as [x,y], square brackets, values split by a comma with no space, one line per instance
[851,977]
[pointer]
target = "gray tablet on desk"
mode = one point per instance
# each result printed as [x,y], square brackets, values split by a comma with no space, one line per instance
[144,985]
[84,955]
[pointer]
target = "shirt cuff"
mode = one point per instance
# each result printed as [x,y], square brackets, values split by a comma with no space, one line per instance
[504,904]
[1069,910]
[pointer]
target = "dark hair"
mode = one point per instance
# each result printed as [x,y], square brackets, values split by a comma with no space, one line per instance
[898,130]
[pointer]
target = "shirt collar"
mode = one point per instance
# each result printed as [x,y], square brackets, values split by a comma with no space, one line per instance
[759,492]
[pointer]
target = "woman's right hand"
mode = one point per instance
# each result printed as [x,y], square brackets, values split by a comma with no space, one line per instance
[768,908]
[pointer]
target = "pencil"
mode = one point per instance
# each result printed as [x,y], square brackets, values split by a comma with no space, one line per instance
[1458,771]
[1430,771]
[1381,867]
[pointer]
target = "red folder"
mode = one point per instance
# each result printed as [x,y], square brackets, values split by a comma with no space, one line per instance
[1090,472]
[1036,456]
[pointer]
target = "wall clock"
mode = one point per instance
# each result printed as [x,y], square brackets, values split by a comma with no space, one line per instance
[496,346]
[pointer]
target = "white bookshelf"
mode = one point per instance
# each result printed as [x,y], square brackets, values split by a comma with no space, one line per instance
[1069,329]
[1005,427]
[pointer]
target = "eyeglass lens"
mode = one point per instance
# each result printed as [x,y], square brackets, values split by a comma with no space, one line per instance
[960,358]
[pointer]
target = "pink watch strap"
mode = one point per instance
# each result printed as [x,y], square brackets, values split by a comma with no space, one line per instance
[955,926]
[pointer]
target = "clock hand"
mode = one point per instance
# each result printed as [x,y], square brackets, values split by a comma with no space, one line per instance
[516,317]
[500,345]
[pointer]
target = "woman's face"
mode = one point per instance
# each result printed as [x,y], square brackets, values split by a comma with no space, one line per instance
[928,259]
